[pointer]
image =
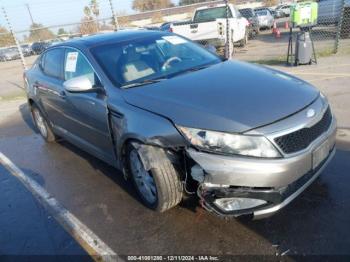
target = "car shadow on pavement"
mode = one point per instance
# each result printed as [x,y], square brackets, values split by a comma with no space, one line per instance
[26,116]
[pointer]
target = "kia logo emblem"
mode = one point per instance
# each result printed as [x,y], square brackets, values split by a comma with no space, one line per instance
[310,113]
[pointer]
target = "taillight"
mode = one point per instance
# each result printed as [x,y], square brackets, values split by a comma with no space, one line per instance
[170,30]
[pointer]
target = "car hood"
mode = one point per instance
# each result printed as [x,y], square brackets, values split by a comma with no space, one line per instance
[230,96]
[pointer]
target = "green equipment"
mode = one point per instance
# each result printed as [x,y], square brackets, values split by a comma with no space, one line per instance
[304,14]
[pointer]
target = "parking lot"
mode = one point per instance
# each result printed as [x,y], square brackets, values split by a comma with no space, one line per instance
[316,223]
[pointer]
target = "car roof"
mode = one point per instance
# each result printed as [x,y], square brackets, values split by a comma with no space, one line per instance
[109,38]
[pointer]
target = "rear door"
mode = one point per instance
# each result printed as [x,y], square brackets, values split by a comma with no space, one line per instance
[49,85]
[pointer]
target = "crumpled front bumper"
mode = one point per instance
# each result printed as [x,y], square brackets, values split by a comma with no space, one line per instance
[277,181]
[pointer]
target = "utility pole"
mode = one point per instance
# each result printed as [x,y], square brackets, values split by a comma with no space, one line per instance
[114,17]
[14,38]
[30,13]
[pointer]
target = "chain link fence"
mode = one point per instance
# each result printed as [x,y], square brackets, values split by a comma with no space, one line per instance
[242,29]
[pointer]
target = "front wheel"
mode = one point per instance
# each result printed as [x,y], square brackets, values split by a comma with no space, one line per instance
[159,188]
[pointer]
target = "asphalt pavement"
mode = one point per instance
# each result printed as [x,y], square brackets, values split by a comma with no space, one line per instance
[316,223]
[28,230]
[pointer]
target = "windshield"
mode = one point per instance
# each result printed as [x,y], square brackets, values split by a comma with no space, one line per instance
[151,58]
[206,15]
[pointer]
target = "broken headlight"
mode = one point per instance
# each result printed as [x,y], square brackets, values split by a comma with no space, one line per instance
[257,146]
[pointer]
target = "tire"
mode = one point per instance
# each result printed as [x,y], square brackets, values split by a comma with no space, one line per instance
[42,125]
[244,41]
[167,191]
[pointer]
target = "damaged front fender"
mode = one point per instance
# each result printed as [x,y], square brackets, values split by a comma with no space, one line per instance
[142,126]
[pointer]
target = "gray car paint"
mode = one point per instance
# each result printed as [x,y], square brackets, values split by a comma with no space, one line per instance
[230,97]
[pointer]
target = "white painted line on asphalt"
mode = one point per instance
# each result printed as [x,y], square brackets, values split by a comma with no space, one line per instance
[80,232]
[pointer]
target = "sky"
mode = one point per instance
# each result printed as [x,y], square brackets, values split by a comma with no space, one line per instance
[55,12]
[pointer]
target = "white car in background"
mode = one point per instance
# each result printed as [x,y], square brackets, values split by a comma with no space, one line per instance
[283,10]
[265,18]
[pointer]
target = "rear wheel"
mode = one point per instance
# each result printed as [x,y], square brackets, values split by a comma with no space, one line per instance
[42,125]
[160,187]
[244,41]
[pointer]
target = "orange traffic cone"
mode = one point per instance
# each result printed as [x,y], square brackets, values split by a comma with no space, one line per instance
[286,25]
[274,27]
[278,33]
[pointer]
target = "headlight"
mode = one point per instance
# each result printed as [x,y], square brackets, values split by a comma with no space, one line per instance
[257,146]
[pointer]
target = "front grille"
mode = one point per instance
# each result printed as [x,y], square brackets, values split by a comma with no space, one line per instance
[302,138]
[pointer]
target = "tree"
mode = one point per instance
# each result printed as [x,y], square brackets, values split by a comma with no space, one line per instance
[157,18]
[123,18]
[89,23]
[95,8]
[61,31]
[39,33]
[189,2]
[88,26]
[5,37]
[148,5]
[271,2]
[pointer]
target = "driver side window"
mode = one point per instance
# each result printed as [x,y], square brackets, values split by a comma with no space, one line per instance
[76,65]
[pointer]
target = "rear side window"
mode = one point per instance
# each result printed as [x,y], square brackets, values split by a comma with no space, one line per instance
[52,62]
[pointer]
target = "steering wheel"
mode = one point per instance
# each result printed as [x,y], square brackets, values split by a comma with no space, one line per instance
[169,61]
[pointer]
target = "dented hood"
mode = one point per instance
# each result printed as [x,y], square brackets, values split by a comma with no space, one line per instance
[230,96]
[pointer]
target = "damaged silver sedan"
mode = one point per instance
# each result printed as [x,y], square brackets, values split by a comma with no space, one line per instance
[178,120]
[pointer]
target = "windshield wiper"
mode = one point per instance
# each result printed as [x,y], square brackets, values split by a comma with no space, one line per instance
[192,69]
[144,82]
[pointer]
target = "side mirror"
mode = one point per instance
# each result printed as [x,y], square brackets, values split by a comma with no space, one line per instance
[79,84]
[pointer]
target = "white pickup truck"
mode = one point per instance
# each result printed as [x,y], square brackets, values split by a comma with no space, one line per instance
[208,26]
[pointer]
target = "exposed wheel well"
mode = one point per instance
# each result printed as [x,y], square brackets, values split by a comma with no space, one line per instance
[123,157]
[31,101]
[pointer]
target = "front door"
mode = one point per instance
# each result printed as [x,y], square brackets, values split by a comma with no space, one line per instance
[86,112]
